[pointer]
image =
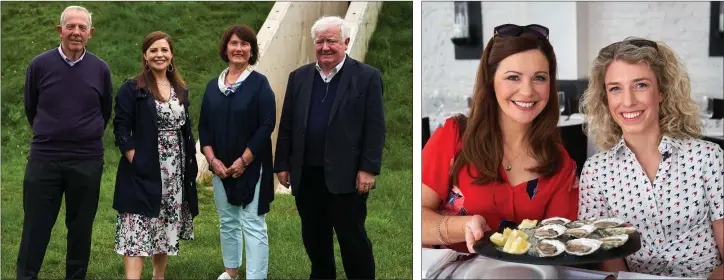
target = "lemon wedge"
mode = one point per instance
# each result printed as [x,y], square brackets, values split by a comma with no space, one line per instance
[516,233]
[498,239]
[508,244]
[506,232]
[518,246]
[528,224]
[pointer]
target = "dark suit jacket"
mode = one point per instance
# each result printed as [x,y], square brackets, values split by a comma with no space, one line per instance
[138,183]
[355,133]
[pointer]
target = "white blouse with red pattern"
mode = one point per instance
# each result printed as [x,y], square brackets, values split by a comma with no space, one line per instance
[674,214]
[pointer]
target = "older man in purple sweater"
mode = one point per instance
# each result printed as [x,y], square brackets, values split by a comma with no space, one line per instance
[68,104]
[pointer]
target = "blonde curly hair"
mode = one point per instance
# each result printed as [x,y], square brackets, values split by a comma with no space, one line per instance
[678,113]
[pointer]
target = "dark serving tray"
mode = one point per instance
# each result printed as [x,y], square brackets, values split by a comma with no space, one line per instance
[486,248]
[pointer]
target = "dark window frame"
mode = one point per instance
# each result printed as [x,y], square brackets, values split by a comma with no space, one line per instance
[473,48]
[716,37]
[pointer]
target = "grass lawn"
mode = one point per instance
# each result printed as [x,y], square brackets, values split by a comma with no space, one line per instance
[29,29]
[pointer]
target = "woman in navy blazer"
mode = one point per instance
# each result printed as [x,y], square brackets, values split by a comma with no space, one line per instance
[238,114]
[155,193]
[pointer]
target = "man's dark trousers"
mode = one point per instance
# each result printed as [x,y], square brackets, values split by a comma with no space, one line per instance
[322,212]
[43,187]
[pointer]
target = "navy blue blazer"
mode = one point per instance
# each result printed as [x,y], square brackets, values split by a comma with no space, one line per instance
[355,136]
[230,124]
[138,183]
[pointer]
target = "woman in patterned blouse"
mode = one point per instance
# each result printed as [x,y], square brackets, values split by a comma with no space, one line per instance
[654,172]
[505,162]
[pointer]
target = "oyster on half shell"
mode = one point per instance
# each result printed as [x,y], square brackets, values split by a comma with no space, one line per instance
[555,221]
[581,231]
[608,223]
[579,223]
[549,231]
[613,241]
[550,248]
[582,246]
[606,232]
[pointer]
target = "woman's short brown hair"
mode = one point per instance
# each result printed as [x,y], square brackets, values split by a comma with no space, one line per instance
[246,34]
[483,140]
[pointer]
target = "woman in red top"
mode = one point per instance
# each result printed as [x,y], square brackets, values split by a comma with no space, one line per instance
[505,161]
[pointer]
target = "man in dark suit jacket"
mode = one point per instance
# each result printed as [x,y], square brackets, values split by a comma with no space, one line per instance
[331,136]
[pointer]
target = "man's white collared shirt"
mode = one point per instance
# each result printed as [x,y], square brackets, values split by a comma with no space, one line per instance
[67,60]
[334,71]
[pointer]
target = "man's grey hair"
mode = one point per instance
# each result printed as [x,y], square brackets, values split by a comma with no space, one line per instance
[331,21]
[75,8]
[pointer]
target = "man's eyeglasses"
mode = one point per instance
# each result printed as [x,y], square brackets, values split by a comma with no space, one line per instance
[513,30]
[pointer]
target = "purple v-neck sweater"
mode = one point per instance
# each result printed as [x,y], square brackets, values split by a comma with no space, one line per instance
[67,107]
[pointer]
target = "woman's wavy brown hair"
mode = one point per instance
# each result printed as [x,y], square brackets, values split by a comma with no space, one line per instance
[146,79]
[678,113]
[482,138]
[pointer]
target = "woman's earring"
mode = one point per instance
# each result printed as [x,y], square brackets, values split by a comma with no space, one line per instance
[148,68]
[170,67]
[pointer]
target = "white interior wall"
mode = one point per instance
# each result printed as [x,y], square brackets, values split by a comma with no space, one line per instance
[578,31]
[684,26]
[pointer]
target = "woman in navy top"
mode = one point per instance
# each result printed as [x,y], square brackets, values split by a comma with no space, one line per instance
[238,115]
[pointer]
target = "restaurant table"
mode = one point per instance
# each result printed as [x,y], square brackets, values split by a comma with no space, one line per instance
[561,272]
[714,134]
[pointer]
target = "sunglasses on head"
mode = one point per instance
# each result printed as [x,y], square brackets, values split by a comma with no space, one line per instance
[638,43]
[512,30]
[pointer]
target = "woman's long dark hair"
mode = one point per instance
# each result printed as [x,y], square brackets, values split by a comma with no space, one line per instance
[482,146]
[146,79]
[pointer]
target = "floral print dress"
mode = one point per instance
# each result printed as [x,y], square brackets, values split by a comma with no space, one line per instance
[140,235]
